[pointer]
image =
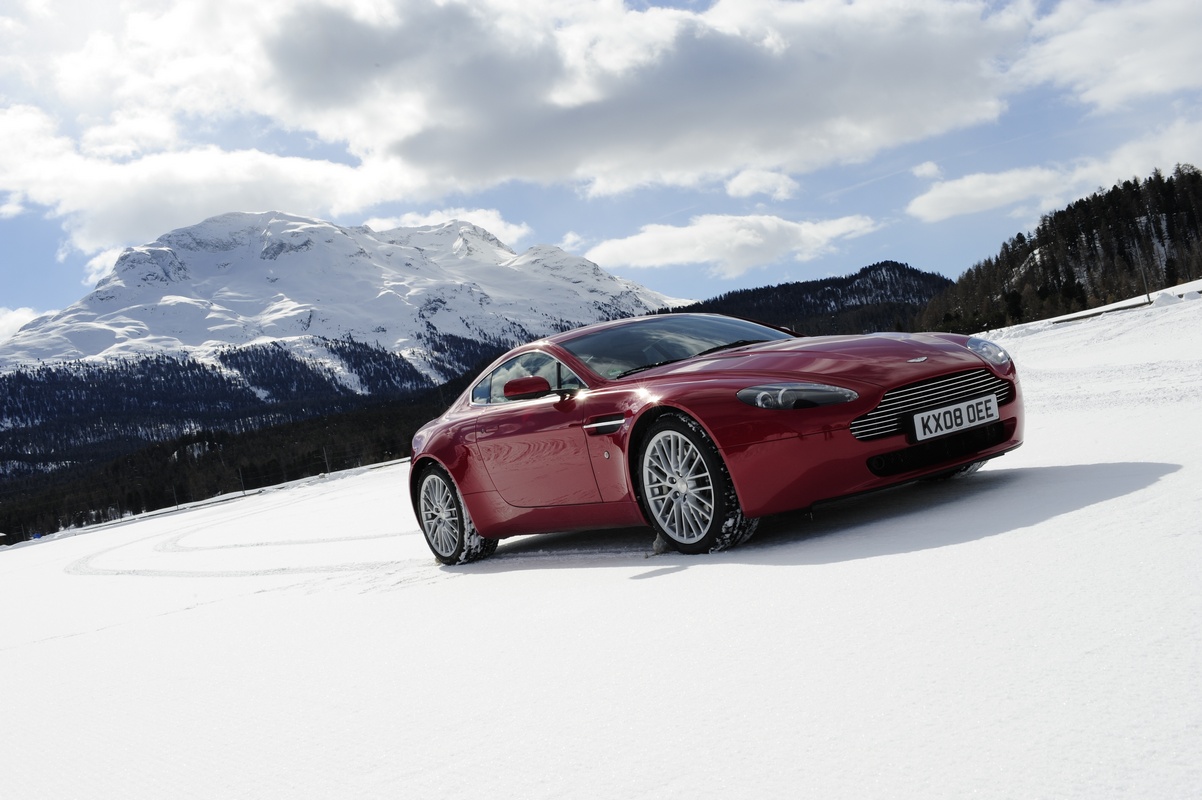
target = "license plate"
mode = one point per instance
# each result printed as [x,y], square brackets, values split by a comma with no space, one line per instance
[949,419]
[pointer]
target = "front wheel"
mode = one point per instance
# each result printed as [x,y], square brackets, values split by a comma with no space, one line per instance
[448,529]
[686,490]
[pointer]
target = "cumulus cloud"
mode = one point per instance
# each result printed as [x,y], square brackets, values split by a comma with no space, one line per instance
[729,245]
[124,122]
[11,207]
[927,169]
[130,133]
[764,86]
[982,191]
[751,182]
[490,219]
[11,320]
[571,242]
[133,119]
[104,201]
[1112,53]
[100,265]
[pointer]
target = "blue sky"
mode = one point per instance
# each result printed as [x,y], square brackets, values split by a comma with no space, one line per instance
[695,147]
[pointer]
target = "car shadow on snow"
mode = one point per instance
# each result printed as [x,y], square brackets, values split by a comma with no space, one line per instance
[926,515]
[610,547]
[910,518]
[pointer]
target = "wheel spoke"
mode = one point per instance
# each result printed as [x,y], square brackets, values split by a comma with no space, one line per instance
[678,486]
[439,515]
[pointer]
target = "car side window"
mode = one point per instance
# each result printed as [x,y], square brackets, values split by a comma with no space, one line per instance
[567,379]
[481,391]
[491,389]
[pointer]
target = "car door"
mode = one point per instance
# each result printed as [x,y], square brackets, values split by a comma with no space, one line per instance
[534,449]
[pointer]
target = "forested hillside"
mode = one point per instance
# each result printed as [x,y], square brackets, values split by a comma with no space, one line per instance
[94,441]
[886,296]
[85,443]
[59,415]
[1135,238]
[206,463]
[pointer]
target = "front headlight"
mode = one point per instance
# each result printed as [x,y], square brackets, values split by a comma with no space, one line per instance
[795,395]
[989,351]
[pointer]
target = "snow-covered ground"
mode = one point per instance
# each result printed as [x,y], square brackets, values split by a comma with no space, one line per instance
[1034,630]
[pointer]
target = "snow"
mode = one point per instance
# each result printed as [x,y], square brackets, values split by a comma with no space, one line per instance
[1184,291]
[1033,630]
[244,278]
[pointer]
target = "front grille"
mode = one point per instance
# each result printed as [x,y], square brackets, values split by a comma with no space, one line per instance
[892,414]
[937,451]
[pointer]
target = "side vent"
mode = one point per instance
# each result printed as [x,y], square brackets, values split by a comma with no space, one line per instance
[604,424]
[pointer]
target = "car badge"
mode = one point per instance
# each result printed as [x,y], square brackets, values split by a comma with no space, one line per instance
[918,360]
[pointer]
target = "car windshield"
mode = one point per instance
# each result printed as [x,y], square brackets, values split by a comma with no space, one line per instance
[653,341]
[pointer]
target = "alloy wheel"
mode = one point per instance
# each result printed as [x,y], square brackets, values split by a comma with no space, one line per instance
[440,515]
[678,485]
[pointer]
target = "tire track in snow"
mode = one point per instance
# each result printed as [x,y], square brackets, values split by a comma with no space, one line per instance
[174,543]
[133,560]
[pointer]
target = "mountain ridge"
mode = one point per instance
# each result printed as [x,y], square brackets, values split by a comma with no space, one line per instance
[887,295]
[247,279]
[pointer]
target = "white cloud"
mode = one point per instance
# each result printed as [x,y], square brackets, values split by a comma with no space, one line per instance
[604,41]
[1053,186]
[572,242]
[490,219]
[131,133]
[730,245]
[134,109]
[1113,53]
[11,320]
[11,207]
[751,182]
[103,202]
[982,191]
[125,120]
[927,169]
[101,264]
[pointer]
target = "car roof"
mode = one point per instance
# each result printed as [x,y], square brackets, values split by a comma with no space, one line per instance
[567,336]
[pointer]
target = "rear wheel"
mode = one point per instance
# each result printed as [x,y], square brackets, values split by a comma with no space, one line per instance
[448,529]
[686,490]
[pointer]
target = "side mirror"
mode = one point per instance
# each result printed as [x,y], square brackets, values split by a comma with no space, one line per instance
[527,388]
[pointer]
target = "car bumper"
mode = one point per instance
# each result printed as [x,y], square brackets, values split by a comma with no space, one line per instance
[794,473]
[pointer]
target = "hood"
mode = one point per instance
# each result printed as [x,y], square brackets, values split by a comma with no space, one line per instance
[879,359]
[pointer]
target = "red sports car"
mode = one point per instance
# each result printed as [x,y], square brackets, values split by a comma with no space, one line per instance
[698,425]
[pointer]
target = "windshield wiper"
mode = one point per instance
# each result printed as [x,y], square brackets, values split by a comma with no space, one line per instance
[647,366]
[729,345]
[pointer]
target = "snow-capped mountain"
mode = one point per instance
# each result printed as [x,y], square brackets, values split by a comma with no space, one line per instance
[244,279]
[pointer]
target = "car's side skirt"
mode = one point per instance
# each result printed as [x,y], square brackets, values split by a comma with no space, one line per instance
[497,519]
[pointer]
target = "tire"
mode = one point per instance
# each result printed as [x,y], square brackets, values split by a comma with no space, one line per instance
[686,491]
[449,531]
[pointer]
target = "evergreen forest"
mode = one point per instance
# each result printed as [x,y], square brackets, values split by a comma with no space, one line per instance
[1133,239]
[886,296]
